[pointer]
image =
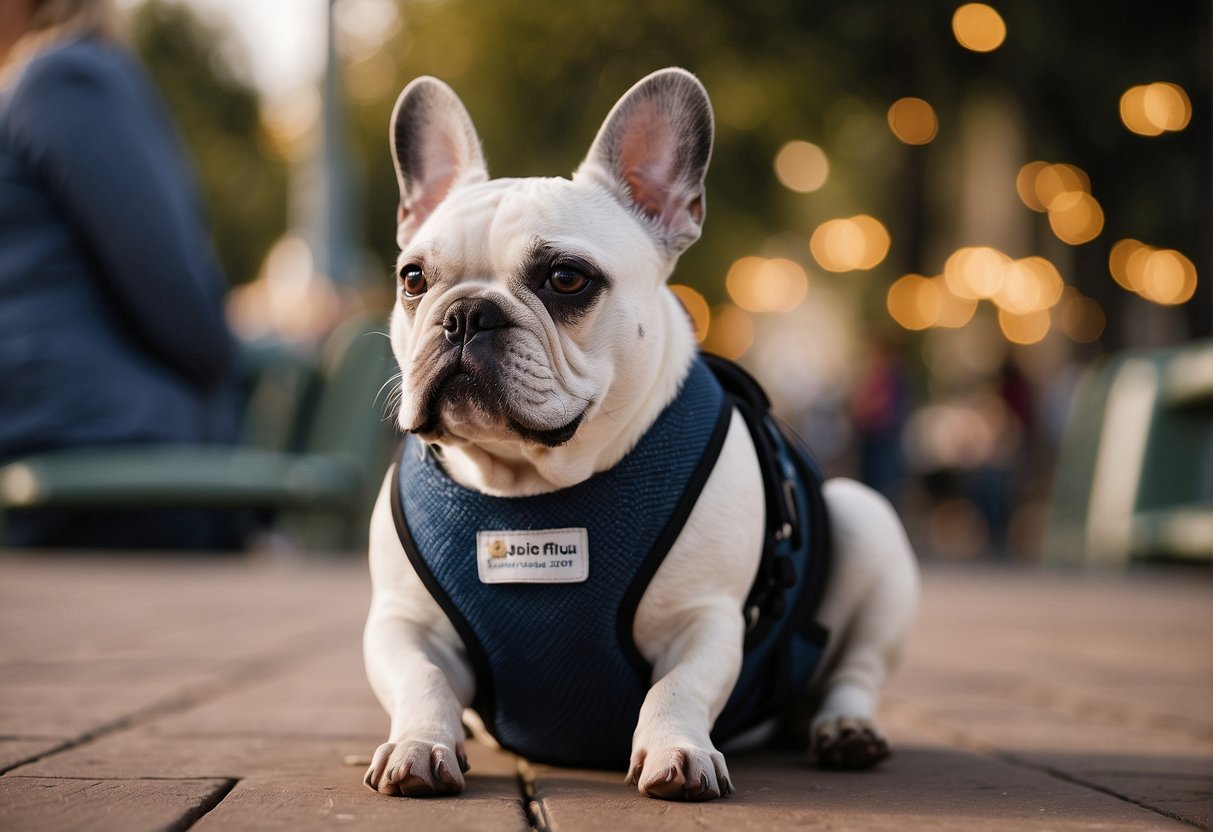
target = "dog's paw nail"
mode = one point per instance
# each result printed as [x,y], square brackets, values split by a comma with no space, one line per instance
[671,774]
[444,774]
[634,775]
[703,787]
[463,761]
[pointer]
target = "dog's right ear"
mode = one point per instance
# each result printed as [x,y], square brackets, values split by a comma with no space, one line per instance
[652,153]
[434,148]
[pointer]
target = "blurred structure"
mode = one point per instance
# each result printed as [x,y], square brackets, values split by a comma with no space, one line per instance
[1135,477]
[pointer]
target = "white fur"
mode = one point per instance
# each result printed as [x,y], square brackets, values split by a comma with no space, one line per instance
[688,624]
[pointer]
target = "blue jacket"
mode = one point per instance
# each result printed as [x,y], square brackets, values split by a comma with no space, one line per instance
[111,324]
[559,678]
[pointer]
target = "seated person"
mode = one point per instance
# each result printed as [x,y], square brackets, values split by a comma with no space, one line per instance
[111,315]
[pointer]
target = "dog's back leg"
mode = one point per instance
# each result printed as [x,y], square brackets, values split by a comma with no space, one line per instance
[869,608]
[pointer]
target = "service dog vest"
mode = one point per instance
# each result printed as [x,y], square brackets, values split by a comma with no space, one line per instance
[543,590]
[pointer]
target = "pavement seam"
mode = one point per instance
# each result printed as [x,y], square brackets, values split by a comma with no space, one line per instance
[532,808]
[966,741]
[243,673]
[206,807]
[1066,777]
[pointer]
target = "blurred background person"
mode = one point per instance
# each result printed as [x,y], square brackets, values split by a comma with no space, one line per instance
[111,317]
[880,404]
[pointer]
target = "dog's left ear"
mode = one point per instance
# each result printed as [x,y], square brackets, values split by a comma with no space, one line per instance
[652,153]
[434,148]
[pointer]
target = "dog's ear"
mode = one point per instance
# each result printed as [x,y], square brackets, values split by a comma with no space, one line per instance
[652,153]
[434,148]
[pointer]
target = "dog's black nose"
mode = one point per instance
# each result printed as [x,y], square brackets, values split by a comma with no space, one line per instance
[468,316]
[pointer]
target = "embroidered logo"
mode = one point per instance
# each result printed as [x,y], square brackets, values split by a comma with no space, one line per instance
[540,556]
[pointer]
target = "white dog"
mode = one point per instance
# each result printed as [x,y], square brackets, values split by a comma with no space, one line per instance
[582,540]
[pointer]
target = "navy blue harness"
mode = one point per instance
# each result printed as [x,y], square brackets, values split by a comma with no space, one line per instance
[559,678]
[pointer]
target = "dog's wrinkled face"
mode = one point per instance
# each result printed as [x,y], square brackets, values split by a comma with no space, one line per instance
[510,319]
[525,306]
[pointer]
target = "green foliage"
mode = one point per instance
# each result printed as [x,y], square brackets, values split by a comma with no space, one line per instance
[243,183]
[539,75]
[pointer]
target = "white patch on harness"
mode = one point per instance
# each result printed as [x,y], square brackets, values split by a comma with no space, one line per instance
[542,556]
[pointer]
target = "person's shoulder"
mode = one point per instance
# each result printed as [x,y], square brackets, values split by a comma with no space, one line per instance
[78,61]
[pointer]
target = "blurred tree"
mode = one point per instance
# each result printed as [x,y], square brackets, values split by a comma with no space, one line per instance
[242,181]
[538,77]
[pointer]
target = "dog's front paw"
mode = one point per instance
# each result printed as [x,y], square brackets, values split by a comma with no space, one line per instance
[415,768]
[848,743]
[682,772]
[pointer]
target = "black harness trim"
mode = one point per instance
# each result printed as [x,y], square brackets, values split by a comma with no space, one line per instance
[482,700]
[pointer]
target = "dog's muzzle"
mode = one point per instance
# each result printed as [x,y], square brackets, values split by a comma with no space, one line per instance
[467,370]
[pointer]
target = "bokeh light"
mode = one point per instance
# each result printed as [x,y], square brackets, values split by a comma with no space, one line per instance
[1030,284]
[954,311]
[1163,276]
[914,302]
[731,331]
[1167,278]
[1028,328]
[1076,217]
[1118,261]
[1056,181]
[802,166]
[978,27]
[1064,191]
[1154,109]
[696,307]
[975,272]
[842,245]
[758,284]
[1025,184]
[913,121]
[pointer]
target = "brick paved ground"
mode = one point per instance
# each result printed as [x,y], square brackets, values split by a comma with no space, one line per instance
[223,696]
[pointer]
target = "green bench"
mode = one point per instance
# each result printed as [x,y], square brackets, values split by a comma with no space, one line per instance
[1134,478]
[315,445]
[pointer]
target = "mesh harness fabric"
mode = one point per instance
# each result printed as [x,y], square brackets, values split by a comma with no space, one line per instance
[559,678]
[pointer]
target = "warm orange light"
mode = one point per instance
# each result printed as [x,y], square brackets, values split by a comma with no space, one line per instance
[1153,109]
[1055,181]
[954,312]
[978,27]
[841,245]
[1118,261]
[731,332]
[1167,106]
[876,240]
[1025,184]
[975,272]
[913,121]
[802,166]
[1049,280]
[696,306]
[1168,278]
[914,302]
[1163,276]
[1029,285]
[760,285]
[1029,328]
[1076,217]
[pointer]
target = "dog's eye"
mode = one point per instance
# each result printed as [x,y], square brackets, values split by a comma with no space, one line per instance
[567,281]
[413,280]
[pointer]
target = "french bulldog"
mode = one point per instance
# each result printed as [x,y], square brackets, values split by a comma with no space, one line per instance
[538,343]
